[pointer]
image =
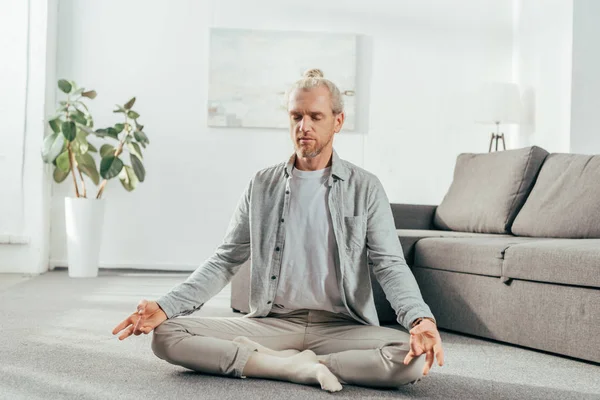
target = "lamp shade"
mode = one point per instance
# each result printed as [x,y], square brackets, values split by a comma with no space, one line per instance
[498,102]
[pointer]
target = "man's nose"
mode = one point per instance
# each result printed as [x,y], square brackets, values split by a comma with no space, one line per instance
[305,124]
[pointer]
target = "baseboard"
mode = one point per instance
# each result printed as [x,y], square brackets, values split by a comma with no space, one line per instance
[137,266]
[10,238]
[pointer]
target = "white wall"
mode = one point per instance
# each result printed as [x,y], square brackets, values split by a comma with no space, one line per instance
[424,59]
[543,59]
[585,116]
[28,195]
[13,86]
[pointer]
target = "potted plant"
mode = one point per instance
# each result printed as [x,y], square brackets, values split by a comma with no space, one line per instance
[68,149]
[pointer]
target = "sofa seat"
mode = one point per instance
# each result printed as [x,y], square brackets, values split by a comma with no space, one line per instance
[473,255]
[409,237]
[564,261]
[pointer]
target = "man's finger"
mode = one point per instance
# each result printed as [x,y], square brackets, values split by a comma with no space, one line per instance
[409,357]
[127,333]
[416,345]
[138,325]
[439,353]
[428,362]
[124,324]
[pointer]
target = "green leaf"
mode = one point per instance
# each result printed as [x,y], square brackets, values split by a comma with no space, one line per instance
[90,94]
[68,130]
[53,146]
[119,127]
[79,117]
[112,132]
[55,125]
[92,148]
[63,161]
[132,114]
[138,167]
[87,165]
[101,133]
[128,178]
[106,150]
[141,137]
[129,104]
[110,166]
[59,175]
[134,148]
[120,110]
[80,144]
[65,86]
[104,132]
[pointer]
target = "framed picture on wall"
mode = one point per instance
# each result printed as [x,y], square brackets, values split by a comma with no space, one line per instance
[250,71]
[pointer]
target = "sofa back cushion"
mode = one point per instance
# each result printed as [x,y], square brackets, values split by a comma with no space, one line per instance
[565,201]
[488,190]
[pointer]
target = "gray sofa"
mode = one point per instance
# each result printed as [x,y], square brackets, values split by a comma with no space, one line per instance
[512,253]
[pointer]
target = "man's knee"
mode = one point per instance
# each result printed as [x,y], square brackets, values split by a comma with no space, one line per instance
[399,373]
[163,338]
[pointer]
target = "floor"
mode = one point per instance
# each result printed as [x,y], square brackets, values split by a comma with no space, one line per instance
[57,344]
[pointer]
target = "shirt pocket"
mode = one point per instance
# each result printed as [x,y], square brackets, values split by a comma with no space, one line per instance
[355,231]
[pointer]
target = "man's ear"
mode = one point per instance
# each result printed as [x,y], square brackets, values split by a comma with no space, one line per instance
[339,122]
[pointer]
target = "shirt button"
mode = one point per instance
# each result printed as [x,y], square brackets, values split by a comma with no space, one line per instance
[277,248]
[287,192]
[268,302]
[281,219]
[273,277]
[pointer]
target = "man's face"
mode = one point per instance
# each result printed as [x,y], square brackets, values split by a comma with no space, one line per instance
[312,123]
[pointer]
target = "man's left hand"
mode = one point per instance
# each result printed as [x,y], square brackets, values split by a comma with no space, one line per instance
[425,338]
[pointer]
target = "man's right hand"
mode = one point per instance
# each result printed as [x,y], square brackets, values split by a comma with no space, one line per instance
[147,317]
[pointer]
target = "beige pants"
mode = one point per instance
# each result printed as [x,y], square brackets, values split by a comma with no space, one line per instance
[357,354]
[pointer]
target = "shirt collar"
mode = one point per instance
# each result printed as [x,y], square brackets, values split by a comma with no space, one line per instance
[338,170]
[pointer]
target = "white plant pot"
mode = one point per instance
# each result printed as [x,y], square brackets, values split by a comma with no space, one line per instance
[84,220]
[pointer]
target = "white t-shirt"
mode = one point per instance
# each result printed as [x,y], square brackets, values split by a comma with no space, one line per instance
[308,278]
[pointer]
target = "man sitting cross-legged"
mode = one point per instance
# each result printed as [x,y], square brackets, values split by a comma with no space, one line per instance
[309,225]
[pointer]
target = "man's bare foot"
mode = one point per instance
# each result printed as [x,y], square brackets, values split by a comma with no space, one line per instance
[244,341]
[304,368]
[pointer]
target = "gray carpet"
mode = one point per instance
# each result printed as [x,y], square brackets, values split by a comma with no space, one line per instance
[56,343]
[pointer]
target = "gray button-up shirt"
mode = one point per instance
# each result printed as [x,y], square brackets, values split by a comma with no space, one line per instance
[364,230]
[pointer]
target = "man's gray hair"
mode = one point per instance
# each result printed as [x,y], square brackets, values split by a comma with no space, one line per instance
[314,78]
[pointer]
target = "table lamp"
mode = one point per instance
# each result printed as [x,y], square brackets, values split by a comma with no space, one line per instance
[498,103]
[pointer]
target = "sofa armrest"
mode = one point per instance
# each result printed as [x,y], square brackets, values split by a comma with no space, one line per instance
[413,216]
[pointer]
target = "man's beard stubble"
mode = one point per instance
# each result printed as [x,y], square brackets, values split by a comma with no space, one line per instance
[306,153]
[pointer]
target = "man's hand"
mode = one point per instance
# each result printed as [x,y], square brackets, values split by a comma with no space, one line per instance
[147,317]
[425,338]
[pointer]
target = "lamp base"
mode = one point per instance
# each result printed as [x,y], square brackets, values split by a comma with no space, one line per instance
[496,137]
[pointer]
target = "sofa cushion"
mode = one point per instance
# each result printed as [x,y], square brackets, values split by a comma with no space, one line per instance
[565,201]
[473,255]
[567,261]
[409,237]
[488,190]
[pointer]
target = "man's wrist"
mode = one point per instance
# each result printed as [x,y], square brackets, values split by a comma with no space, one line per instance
[420,319]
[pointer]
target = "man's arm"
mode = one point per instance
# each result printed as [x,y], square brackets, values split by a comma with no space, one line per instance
[389,265]
[212,276]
